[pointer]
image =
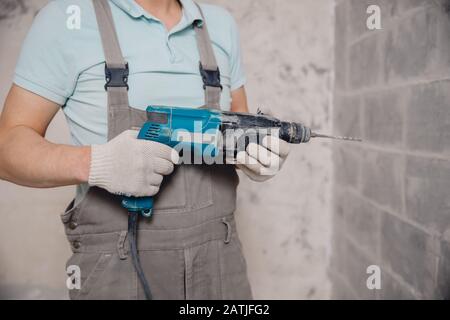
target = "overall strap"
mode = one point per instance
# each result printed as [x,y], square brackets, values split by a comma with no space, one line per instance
[116,68]
[209,69]
[119,112]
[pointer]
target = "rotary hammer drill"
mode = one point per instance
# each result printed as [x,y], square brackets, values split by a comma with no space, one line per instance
[207,132]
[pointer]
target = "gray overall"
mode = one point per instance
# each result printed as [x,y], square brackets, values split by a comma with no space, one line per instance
[189,248]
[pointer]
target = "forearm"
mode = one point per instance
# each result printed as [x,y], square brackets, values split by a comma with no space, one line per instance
[28,159]
[239,100]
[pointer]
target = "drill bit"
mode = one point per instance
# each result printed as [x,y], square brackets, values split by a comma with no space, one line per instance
[319,135]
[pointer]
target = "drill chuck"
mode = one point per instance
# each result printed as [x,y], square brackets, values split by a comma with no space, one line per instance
[293,132]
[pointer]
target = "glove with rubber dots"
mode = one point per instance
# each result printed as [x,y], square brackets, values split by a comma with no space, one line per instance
[130,166]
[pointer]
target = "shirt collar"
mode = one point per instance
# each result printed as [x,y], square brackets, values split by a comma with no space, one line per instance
[190,10]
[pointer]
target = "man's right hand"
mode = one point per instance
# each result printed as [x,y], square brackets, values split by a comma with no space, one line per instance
[129,166]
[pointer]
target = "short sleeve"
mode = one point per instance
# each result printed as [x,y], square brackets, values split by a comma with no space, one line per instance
[45,65]
[237,70]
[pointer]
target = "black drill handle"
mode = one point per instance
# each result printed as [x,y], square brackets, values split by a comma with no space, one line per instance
[290,132]
[255,127]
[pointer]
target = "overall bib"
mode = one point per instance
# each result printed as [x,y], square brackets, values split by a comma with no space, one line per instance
[189,248]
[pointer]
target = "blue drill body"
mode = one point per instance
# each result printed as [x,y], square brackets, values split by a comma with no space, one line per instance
[180,128]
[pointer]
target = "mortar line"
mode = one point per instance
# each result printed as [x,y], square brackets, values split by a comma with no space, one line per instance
[426,230]
[416,293]
[384,267]
[405,127]
[421,154]
[362,129]
[416,81]
[391,23]
[365,254]
[435,237]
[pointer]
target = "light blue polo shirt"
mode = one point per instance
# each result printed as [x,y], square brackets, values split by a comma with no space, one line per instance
[66,64]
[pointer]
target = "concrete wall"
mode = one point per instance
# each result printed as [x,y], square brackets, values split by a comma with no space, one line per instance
[392,206]
[284,224]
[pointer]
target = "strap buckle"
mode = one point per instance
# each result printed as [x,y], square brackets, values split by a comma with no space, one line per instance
[116,77]
[211,78]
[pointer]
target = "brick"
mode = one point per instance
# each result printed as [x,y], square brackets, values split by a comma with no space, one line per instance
[441,63]
[347,165]
[381,176]
[443,278]
[346,115]
[365,67]
[384,118]
[427,186]
[392,289]
[340,49]
[356,264]
[338,240]
[402,6]
[407,47]
[428,118]
[409,252]
[362,221]
[358,15]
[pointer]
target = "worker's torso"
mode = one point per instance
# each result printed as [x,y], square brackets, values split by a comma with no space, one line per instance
[163,65]
[188,248]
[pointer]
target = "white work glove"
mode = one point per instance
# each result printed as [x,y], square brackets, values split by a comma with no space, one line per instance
[131,167]
[262,162]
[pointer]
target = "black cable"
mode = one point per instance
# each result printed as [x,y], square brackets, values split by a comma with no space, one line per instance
[132,239]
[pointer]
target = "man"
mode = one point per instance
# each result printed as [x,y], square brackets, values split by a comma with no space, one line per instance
[124,56]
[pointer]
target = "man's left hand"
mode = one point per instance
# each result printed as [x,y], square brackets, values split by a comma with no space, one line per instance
[262,162]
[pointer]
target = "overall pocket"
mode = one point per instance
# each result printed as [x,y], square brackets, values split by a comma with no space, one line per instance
[66,216]
[91,267]
[71,215]
[187,189]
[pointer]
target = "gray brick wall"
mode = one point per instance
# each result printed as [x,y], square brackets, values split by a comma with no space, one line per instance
[392,192]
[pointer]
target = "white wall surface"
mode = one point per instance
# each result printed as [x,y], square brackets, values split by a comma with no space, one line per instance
[284,224]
